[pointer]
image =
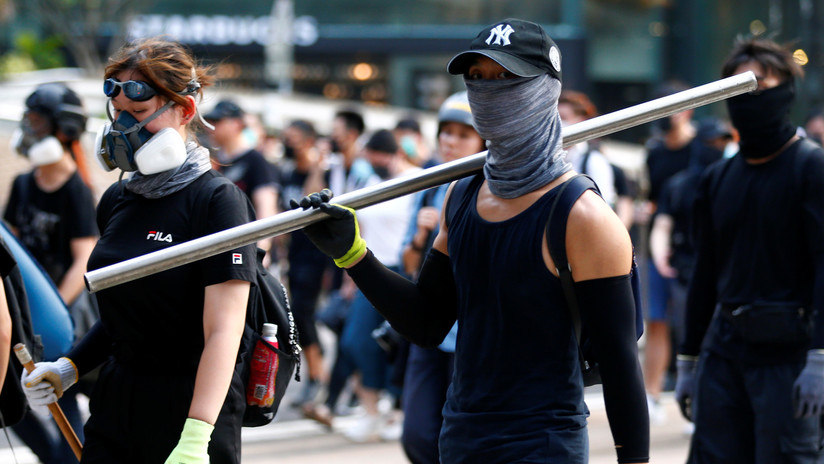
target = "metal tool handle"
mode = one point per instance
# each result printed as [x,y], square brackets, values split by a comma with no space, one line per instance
[289,221]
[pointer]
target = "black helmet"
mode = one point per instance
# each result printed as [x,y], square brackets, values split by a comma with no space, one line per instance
[62,106]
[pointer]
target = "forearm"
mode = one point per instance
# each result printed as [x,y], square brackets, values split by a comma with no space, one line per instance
[73,283]
[92,350]
[223,322]
[411,259]
[608,311]
[424,311]
[214,375]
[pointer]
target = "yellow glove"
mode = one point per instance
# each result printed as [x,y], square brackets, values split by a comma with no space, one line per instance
[193,447]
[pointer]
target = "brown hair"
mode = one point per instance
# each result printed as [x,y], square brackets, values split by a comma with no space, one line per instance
[769,54]
[169,67]
[580,103]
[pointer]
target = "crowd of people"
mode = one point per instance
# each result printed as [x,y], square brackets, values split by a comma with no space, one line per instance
[468,339]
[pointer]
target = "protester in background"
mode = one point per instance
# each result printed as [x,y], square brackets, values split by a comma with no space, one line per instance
[384,224]
[149,406]
[408,133]
[574,107]
[307,265]
[668,153]
[751,368]
[51,211]
[517,392]
[814,126]
[239,160]
[670,246]
[343,169]
[429,370]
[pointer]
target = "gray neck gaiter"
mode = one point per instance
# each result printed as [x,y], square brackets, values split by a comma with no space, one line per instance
[165,183]
[519,120]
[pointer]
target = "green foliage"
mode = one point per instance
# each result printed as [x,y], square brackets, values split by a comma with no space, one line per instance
[31,53]
[44,53]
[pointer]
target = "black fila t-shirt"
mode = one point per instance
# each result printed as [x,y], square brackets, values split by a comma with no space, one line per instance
[165,310]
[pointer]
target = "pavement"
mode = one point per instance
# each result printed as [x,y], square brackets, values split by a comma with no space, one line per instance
[294,440]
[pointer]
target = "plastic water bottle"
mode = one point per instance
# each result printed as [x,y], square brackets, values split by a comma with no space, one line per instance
[260,390]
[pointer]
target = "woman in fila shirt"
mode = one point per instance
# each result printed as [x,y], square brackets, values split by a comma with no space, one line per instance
[169,340]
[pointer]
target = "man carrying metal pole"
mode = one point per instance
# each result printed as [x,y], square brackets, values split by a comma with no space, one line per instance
[517,392]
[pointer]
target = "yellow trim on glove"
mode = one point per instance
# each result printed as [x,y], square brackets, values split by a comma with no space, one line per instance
[358,248]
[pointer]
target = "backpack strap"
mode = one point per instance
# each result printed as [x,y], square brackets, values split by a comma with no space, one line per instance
[460,190]
[566,197]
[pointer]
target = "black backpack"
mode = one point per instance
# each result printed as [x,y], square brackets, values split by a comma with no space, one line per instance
[568,194]
[13,403]
[268,302]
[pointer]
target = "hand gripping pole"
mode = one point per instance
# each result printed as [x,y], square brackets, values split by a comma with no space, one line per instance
[289,221]
[25,359]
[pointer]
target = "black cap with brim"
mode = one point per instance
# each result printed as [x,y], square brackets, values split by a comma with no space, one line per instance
[461,62]
[521,47]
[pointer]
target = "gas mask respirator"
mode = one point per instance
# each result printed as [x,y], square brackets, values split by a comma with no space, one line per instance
[125,143]
[40,151]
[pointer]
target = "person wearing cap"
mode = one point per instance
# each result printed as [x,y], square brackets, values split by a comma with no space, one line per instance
[517,391]
[751,365]
[51,210]
[244,165]
[429,370]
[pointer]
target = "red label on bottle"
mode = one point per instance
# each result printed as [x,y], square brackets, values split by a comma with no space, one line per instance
[260,390]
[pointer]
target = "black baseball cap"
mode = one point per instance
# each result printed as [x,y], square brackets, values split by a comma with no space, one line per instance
[522,47]
[224,109]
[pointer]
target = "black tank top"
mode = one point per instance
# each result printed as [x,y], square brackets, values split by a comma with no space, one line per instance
[517,377]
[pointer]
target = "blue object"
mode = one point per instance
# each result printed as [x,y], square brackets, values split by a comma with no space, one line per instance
[49,314]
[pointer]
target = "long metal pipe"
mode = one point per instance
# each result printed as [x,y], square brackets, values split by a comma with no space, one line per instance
[289,221]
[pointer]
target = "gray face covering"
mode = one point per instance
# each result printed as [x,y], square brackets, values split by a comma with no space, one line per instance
[519,120]
[167,182]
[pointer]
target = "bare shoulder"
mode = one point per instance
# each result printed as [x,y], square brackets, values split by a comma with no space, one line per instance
[598,243]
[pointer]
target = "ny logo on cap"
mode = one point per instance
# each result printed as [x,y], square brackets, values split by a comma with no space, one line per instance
[500,34]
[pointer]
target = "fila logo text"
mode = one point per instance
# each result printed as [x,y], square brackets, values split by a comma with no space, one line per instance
[500,34]
[159,236]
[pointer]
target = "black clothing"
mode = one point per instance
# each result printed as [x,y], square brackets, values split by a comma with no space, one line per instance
[48,221]
[663,163]
[250,171]
[158,317]
[7,261]
[758,232]
[137,415]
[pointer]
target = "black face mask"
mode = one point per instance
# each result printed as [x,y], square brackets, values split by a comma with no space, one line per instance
[288,151]
[333,145]
[381,171]
[763,120]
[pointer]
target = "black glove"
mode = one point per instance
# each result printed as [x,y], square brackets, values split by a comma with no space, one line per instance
[339,236]
[685,384]
[809,386]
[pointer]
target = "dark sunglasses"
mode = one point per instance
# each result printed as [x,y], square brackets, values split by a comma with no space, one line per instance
[134,90]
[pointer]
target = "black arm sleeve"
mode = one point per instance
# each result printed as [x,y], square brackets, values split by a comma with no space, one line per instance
[608,311]
[702,294]
[92,350]
[423,312]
